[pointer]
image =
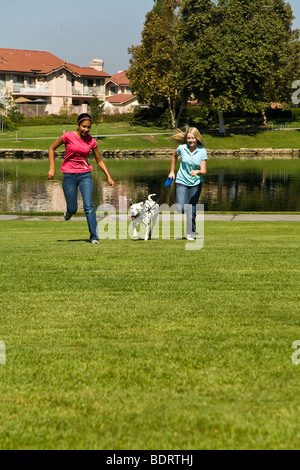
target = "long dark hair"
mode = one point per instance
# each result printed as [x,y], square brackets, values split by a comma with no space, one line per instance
[84,117]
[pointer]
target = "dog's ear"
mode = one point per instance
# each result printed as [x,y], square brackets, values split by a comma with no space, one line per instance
[130,202]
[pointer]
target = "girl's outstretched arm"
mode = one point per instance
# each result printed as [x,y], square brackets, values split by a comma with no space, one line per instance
[52,148]
[102,165]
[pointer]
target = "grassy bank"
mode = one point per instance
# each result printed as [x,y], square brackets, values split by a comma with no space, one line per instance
[134,345]
[40,137]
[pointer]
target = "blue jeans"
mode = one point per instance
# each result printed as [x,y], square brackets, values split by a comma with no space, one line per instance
[188,195]
[71,182]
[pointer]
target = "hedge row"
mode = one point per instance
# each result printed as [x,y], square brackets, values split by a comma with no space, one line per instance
[65,119]
[50,120]
[199,112]
[196,115]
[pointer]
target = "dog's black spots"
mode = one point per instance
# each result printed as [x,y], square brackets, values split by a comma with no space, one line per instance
[146,213]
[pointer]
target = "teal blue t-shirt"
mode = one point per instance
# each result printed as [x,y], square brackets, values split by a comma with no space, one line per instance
[188,163]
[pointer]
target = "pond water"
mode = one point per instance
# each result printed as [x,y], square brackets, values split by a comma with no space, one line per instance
[230,185]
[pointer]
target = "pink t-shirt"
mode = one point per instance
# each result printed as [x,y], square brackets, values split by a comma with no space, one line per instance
[77,152]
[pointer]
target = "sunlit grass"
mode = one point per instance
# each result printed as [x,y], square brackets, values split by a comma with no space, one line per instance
[134,345]
[40,137]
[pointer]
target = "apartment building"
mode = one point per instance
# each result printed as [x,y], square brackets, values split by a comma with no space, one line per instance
[44,84]
[118,95]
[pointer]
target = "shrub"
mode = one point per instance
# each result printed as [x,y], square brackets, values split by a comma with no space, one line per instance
[124,117]
[148,115]
[296,114]
[198,116]
[52,119]
[292,113]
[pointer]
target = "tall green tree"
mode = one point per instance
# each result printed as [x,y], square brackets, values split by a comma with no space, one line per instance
[155,65]
[96,110]
[242,54]
[158,5]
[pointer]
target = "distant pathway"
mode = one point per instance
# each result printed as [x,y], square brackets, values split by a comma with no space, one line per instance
[95,136]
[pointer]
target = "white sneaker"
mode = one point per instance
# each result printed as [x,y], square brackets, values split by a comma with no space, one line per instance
[95,242]
[67,215]
[190,237]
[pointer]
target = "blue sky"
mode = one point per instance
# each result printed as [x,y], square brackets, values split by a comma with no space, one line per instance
[79,31]
[295,4]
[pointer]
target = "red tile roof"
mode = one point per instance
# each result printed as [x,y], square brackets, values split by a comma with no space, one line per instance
[120,78]
[24,61]
[120,98]
[87,71]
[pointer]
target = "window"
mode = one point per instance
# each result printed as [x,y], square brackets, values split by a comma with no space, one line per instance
[88,87]
[18,79]
[88,83]
[113,90]
[31,82]
[100,86]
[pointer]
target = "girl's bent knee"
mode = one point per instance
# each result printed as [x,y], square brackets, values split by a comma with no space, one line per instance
[89,209]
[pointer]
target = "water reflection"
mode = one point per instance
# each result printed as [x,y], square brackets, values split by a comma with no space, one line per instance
[252,190]
[229,185]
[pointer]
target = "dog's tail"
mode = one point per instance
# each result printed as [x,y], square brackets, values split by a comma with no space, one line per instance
[149,197]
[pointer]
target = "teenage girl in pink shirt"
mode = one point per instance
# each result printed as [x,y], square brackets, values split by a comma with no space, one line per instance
[77,171]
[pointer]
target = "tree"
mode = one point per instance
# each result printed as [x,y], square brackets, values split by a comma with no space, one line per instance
[2,117]
[96,110]
[11,112]
[155,65]
[243,54]
[157,5]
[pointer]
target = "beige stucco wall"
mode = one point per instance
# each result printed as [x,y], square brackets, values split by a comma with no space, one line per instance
[120,108]
[58,90]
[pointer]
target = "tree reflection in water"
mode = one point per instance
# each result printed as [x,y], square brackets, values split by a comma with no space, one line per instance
[230,185]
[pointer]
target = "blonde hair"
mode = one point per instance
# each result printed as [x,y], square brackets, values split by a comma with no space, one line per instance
[181,138]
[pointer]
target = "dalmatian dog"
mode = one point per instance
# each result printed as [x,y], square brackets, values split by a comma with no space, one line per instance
[146,213]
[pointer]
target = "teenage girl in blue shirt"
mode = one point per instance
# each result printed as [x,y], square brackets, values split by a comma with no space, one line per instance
[189,177]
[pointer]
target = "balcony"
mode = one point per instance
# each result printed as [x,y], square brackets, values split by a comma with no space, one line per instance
[87,91]
[29,90]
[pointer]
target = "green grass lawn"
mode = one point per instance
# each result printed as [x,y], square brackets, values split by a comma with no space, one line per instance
[269,139]
[144,345]
[40,137]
